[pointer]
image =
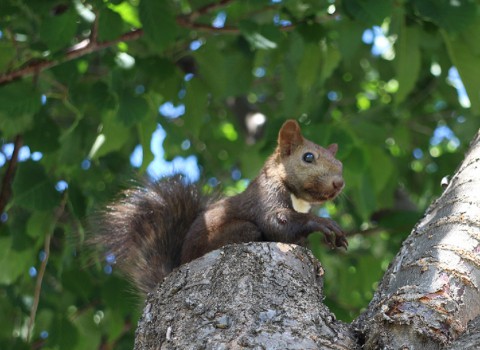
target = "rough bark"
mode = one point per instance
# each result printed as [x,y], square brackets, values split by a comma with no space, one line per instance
[251,296]
[431,289]
[269,295]
[470,340]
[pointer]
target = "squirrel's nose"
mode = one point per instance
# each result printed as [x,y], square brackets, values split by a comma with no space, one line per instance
[338,183]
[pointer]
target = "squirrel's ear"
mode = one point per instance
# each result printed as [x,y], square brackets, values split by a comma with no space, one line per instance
[333,148]
[289,137]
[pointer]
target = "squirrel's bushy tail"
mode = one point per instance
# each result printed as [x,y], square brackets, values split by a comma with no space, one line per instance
[144,230]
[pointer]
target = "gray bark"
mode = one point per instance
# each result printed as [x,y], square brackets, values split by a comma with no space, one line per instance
[269,295]
[251,296]
[470,340]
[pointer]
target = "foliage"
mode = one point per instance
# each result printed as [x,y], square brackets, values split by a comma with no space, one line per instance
[81,86]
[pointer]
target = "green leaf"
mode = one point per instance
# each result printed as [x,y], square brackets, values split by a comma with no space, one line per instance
[311,32]
[132,109]
[465,58]
[110,25]
[383,170]
[453,16]
[73,144]
[145,131]
[62,335]
[164,75]
[365,197]
[317,64]
[331,59]
[97,96]
[354,165]
[90,332]
[371,12]
[14,263]
[288,75]
[127,11]
[112,136]
[370,133]
[43,320]
[400,221]
[7,54]
[39,224]
[19,98]
[196,102]
[470,37]
[33,189]
[44,135]
[309,66]
[115,323]
[77,281]
[19,101]
[226,71]
[257,36]
[116,293]
[403,136]
[158,23]
[77,200]
[407,61]
[349,40]
[58,31]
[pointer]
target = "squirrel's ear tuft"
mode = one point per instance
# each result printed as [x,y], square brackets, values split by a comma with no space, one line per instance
[332,149]
[289,137]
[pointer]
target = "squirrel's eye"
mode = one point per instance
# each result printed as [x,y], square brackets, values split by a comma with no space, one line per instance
[308,157]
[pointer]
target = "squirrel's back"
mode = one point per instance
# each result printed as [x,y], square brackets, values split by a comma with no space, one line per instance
[144,230]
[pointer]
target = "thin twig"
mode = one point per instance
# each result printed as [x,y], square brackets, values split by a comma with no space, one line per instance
[38,285]
[94,33]
[84,48]
[6,190]
[185,22]
[207,9]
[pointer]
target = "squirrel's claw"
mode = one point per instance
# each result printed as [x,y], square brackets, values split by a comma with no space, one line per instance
[330,240]
[334,235]
[341,241]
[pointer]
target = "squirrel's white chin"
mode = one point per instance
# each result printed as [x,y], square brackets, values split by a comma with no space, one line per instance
[300,205]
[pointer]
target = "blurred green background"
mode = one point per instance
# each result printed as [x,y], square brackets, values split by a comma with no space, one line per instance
[94,93]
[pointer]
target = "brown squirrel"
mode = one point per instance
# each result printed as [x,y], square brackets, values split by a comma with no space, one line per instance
[157,227]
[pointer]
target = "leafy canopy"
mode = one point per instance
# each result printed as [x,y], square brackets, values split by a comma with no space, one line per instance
[85,84]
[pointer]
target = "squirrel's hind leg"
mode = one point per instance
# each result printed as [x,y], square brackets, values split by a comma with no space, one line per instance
[209,238]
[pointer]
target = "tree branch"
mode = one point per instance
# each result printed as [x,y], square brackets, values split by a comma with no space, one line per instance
[83,48]
[273,299]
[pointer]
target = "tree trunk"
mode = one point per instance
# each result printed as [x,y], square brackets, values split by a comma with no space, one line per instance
[256,295]
[269,295]
[431,290]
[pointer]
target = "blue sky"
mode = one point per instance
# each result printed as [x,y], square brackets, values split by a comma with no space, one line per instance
[159,167]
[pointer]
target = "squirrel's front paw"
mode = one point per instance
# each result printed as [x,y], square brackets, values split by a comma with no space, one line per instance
[334,235]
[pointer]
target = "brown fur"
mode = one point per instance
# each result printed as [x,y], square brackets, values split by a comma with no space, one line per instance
[154,229]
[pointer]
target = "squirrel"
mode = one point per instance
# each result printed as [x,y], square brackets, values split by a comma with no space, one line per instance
[161,225]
